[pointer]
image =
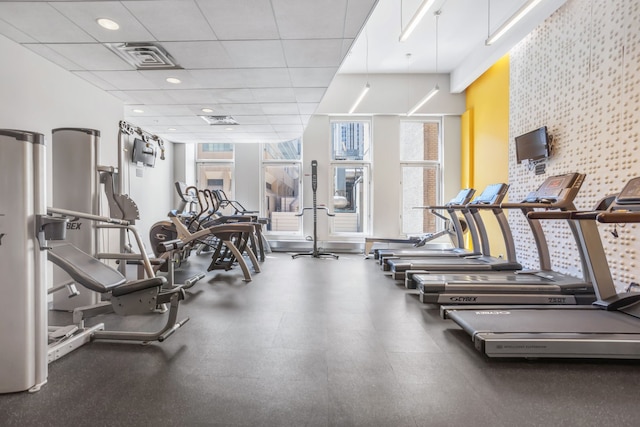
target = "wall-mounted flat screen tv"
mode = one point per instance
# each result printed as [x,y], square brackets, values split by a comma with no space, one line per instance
[144,153]
[533,145]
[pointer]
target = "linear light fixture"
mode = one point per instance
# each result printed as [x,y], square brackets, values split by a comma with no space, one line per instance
[515,18]
[415,20]
[365,89]
[424,100]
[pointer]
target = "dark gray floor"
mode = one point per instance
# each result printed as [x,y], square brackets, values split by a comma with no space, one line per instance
[318,342]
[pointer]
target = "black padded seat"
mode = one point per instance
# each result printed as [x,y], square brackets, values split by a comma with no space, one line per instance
[95,275]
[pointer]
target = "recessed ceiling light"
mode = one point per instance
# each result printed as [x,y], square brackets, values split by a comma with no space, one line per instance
[172,129]
[173,80]
[228,129]
[207,110]
[108,24]
[137,110]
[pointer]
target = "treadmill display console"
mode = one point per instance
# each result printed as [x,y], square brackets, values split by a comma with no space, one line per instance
[493,194]
[551,189]
[463,197]
[630,194]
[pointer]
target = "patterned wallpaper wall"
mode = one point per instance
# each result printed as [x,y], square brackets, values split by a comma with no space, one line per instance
[579,74]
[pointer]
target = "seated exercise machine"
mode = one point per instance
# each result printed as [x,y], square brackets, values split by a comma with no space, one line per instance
[493,194]
[459,226]
[542,286]
[608,328]
[315,253]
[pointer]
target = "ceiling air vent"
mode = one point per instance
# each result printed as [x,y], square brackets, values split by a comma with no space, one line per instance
[144,56]
[220,120]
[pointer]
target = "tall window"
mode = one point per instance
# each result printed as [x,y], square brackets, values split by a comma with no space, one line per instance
[281,177]
[350,171]
[420,157]
[215,167]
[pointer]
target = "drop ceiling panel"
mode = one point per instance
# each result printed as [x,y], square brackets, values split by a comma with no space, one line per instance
[14,34]
[90,56]
[293,119]
[307,108]
[252,120]
[357,13]
[265,77]
[240,19]
[274,95]
[309,94]
[199,54]
[159,78]
[84,14]
[280,108]
[228,78]
[53,56]
[236,110]
[312,77]
[316,53]
[171,20]
[152,97]
[211,96]
[255,53]
[42,22]
[310,20]
[98,82]
[125,80]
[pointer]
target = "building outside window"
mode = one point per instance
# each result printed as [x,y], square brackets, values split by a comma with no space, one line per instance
[350,172]
[420,162]
[282,186]
[215,167]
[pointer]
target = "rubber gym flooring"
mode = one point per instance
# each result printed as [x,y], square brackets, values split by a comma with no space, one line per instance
[316,342]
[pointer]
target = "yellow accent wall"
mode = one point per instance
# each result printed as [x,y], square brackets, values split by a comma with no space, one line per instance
[485,138]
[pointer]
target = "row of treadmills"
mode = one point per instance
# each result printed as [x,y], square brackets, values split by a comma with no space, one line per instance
[512,312]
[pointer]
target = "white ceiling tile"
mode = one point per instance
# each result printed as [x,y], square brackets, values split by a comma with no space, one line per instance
[123,96]
[307,108]
[252,120]
[265,77]
[193,120]
[172,20]
[274,95]
[255,53]
[126,80]
[293,119]
[11,32]
[48,53]
[309,94]
[152,97]
[357,13]
[199,54]
[280,108]
[142,121]
[192,96]
[159,78]
[240,19]
[95,80]
[312,77]
[42,22]
[91,56]
[219,78]
[313,53]
[237,109]
[288,128]
[310,19]
[84,14]
[346,48]
[171,110]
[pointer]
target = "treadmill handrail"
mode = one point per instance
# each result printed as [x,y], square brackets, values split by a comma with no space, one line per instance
[619,216]
[575,215]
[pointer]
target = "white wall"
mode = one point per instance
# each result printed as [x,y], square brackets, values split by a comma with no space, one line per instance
[578,74]
[39,96]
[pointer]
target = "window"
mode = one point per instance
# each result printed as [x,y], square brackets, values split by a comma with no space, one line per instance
[350,166]
[281,177]
[215,167]
[420,149]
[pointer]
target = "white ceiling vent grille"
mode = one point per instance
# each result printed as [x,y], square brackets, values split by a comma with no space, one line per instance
[144,56]
[220,120]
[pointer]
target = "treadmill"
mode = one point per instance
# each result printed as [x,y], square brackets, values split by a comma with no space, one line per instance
[462,198]
[609,328]
[543,286]
[492,196]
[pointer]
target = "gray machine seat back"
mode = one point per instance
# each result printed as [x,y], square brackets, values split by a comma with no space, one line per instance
[95,275]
